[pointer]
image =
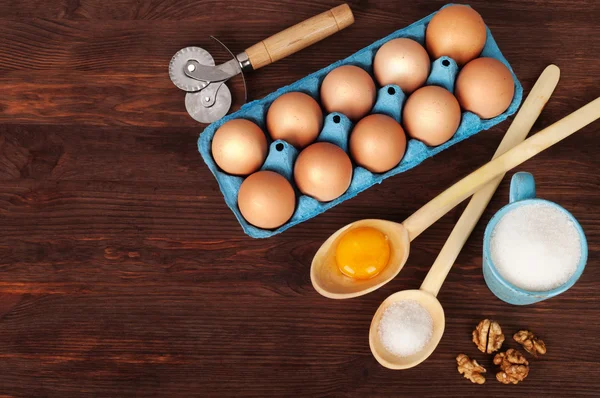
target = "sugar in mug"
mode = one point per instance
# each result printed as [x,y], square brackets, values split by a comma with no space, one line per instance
[522,192]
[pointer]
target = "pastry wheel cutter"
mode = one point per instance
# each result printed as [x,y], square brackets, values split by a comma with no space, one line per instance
[207,99]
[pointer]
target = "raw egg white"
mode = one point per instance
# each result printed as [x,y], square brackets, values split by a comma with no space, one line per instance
[266,199]
[485,87]
[323,171]
[456,31]
[296,118]
[239,147]
[377,143]
[349,90]
[403,62]
[432,115]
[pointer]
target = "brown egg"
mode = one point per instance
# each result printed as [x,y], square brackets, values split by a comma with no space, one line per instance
[323,171]
[377,143]
[432,115]
[403,62]
[485,87]
[266,199]
[458,32]
[350,90]
[296,118]
[239,147]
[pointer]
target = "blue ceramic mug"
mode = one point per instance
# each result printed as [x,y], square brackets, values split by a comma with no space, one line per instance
[522,192]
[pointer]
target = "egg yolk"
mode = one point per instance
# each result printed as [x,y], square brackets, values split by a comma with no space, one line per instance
[362,253]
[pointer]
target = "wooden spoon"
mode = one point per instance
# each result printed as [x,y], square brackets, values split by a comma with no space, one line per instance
[330,282]
[426,295]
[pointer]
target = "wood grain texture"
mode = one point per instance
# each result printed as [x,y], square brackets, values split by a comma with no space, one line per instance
[123,272]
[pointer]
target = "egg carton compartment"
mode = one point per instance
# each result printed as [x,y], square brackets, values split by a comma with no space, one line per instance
[337,127]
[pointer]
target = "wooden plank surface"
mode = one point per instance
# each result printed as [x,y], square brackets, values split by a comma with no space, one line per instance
[123,272]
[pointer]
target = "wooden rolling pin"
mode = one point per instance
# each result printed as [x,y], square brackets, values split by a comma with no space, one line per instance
[299,36]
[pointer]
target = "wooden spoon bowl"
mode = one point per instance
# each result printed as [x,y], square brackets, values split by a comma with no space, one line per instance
[330,282]
[432,305]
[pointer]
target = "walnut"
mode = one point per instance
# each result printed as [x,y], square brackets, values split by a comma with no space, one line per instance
[514,367]
[470,369]
[488,336]
[530,342]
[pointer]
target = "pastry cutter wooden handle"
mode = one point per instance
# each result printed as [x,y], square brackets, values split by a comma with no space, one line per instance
[299,36]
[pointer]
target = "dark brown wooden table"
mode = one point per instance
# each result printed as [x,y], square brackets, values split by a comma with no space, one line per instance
[123,272]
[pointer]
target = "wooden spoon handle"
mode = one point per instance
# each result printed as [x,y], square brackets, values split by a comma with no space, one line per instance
[299,36]
[458,192]
[516,133]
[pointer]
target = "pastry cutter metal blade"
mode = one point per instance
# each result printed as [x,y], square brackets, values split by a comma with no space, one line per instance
[207,100]
[192,69]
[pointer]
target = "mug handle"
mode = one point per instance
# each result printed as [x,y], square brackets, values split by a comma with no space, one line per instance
[522,187]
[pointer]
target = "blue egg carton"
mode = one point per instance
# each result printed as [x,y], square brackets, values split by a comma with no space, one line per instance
[337,128]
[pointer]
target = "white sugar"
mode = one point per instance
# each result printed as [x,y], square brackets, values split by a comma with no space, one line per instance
[536,247]
[405,328]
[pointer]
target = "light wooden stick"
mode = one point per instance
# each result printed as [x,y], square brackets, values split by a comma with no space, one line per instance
[516,133]
[299,36]
[447,200]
